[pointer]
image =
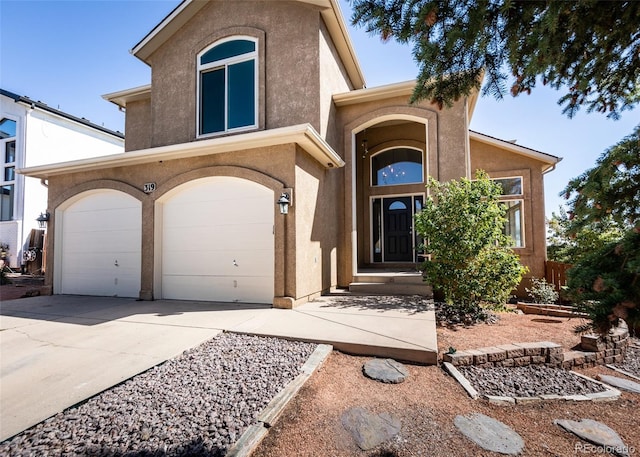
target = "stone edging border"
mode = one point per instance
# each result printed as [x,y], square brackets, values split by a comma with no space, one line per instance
[610,394]
[626,373]
[252,437]
[594,350]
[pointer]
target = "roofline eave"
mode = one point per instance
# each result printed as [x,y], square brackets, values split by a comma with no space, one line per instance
[303,134]
[330,11]
[544,157]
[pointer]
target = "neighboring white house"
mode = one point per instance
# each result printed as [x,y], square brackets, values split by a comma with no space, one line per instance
[32,133]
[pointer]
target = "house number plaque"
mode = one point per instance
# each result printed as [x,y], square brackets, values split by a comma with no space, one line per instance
[149,187]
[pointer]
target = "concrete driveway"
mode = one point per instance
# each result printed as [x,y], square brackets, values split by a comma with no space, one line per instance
[59,350]
[56,351]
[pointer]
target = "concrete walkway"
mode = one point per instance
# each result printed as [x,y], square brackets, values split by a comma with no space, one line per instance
[57,351]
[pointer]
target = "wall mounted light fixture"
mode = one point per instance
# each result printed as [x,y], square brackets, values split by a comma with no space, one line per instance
[365,145]
[283,202]
[43,219]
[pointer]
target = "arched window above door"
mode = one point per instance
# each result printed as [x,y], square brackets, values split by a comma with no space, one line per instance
[397,166]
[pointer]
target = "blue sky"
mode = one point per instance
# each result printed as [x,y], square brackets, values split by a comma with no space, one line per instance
[69,53]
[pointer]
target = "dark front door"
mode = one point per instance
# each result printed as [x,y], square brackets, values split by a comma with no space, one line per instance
[398,236]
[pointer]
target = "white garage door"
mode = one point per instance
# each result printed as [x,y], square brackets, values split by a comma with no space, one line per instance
[101,242]
[217,241]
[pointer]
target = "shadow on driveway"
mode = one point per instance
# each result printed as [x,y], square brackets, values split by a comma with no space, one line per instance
[89,310]
[409,304]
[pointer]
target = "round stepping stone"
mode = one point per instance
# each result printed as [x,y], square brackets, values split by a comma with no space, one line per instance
[490,434]
[369,430]
[597,433]
[385,370]
[620,383]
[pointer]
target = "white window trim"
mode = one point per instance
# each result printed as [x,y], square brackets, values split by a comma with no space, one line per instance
[225,63]
[521,178]
[522,220]
[382,151]
[14,164]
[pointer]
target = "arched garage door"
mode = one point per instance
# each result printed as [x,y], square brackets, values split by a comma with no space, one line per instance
[217,241]
[101,245]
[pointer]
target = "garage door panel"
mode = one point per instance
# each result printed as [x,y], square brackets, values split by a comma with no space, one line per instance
[101,220]
[202,239]
[103,200]
[185,287]
[204,214]
[216,288]
[215,231]
[101,245]
[221,263]
[104,242]
[236,236]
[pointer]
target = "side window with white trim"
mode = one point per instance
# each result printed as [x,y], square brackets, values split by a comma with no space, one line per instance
[514,226]
[8,175]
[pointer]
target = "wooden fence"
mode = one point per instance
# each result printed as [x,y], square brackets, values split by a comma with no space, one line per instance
[556,273]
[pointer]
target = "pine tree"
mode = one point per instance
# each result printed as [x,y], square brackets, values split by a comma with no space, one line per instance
[609,192]
[590,47]
[606,281]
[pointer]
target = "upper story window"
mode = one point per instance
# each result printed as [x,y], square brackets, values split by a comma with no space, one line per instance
[227,87]
[397,166]
[510,186]
[7,183]
[7,128]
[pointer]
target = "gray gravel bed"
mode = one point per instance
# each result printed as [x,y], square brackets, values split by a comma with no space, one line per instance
[631,361]
[196,404]
[527,381]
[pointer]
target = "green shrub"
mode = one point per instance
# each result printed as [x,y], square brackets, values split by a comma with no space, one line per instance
[542,292]
[462,222]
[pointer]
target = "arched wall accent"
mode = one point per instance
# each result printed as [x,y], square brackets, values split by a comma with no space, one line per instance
[225,170]
[68,197]
[98,184]
[428,117]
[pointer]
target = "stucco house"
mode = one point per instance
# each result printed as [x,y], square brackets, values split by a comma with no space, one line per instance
[260,168]
[33,133]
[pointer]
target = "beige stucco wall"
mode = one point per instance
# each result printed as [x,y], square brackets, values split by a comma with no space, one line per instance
[274,167]
[289,88]
[333,80]
[299,71]
[500,163]
[317,226]
[138,125]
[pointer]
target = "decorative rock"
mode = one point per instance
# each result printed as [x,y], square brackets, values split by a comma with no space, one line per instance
[196,404]
[489,434]
[385,370]
[369,430]
[597,433]
[620,383]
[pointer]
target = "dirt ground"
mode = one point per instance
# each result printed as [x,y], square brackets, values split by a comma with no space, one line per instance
[428,401]
[21,286]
